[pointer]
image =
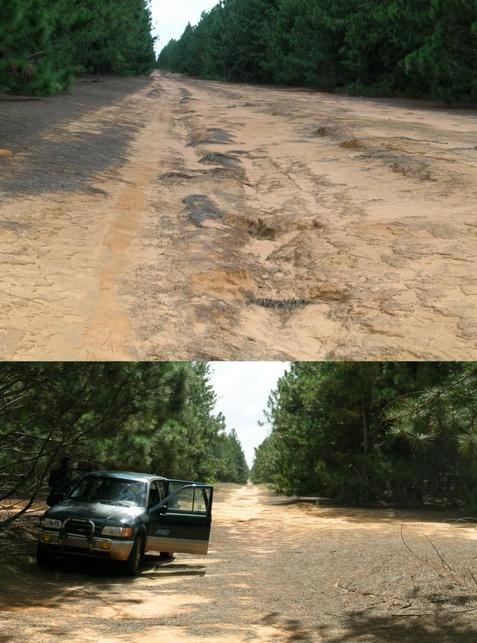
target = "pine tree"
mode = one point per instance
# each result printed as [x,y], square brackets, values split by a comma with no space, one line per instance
[392,47]
[43,42]
[446,63]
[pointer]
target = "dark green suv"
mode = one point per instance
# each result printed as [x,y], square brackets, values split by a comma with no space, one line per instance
[121,516]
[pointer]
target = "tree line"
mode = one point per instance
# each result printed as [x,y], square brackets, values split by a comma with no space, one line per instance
[44,43]
[362,433]
[146,417]
[421,48]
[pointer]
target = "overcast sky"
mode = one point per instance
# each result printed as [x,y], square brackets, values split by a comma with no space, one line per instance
[170,17]
[242,389]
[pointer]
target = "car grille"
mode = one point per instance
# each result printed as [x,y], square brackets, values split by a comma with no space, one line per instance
[80,527]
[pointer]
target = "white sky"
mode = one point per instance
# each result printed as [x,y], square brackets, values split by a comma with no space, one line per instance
[242,390]
[170,17]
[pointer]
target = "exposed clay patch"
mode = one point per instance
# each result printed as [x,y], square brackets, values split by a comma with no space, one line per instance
[223,282]
[186,95]
[271,229]
[244,153]
[176,175]
[325,129]
[210,136]
[235,173]
[404,164]
[261,230]
[327,292]
[216,158]
[18,227]
[200,208]
[155,92]
[181,175]
[353,144]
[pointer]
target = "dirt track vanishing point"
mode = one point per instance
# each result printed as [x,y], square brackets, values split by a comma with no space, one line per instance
[173,219]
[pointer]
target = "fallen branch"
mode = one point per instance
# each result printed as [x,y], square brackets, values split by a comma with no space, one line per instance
[384,599]
[441,557]
[448,613]
[422,560]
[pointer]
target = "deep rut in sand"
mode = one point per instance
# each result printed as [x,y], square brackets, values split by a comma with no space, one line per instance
[247,222]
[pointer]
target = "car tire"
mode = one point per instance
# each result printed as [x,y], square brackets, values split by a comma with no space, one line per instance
[44,558]
[166,555]
[132,566]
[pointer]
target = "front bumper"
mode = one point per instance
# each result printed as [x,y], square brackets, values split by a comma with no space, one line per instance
[77,545]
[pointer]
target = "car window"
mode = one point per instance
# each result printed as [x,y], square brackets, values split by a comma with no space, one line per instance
[162,488]
[154,495]
[110,490]
[200,500]
[190,500]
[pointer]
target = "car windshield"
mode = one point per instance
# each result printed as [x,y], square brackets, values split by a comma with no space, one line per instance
[111,491]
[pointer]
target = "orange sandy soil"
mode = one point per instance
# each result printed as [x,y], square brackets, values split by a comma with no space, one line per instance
[276,571]
[335,228]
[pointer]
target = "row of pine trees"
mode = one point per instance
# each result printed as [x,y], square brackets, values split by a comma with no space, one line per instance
[151,417]
[370,432]
[422,48]
[44,43]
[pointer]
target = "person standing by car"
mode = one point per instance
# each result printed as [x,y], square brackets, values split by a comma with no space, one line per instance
[59,482]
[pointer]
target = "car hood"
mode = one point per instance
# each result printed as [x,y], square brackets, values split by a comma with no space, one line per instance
[98,512]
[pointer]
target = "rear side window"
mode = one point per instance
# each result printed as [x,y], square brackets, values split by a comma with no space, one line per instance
[190,500]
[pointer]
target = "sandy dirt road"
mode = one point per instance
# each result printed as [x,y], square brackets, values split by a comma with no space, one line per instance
[276,571]
[239,222]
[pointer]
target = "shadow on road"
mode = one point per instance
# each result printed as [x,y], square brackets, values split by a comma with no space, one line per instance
[76,579]
[368,515]
[272,575]
[358,626]
[291,629]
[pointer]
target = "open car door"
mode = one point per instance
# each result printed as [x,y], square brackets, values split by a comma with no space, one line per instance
[181,522]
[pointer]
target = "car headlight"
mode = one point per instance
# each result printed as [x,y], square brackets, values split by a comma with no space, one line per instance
[119,532]
[50,523]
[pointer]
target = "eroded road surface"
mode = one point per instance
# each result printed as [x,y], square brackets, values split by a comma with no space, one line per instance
[171,218]
[276,571]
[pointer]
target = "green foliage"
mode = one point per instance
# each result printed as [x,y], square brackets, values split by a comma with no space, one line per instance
[229,43]
[264,465]
[393,47]
[113,37]
[28,59]
[446,61]
[153,417]
[231,463]
[438,431]
[305,39]
[43,42]
[361,433]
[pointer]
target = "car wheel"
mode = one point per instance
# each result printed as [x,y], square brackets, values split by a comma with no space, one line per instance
[166,555]
[44,558]
[132,566]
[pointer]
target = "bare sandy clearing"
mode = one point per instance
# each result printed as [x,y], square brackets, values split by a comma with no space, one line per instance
[277,571]
[244,222]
